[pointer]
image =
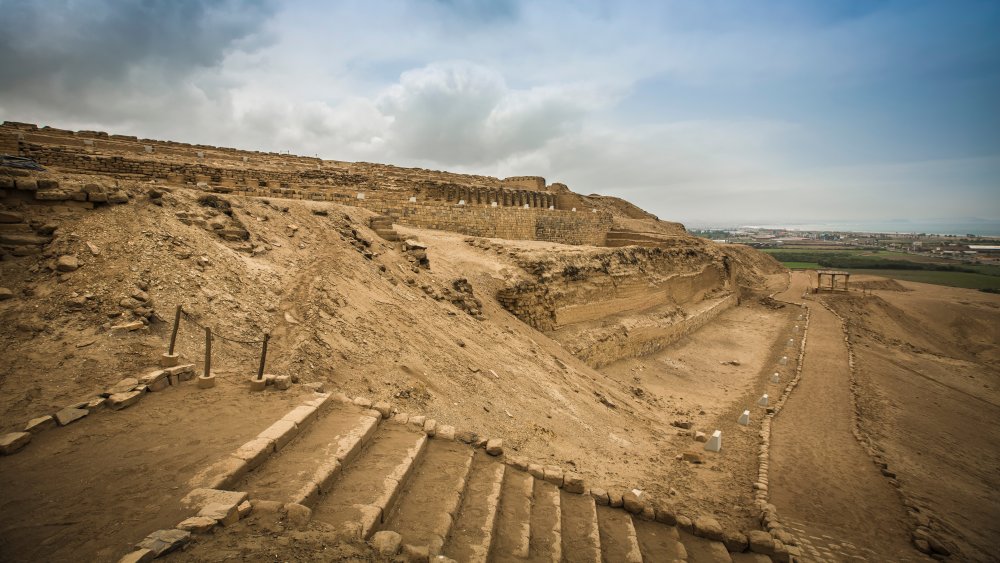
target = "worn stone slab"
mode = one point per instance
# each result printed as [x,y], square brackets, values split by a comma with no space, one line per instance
[301,415]
[200,497]
[553,474]
[138,556]
[573,483]
[161,542]
[124,386]
[36,425]
[281,432]
[69,415]
[13,441]
[255,452]
[119,401]
[226,513]
[349,446]
[152,377]
[198,524]
[222,474]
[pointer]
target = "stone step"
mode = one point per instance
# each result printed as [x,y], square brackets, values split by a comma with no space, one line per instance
[702,550]
[429,502]
[473,532]
[369,485]
[546,523]
[749,557]
[302,468]
[581,540]
[513,532]
[658,542]
[22,228]
[618,539]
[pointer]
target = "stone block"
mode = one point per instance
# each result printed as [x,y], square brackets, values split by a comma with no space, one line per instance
[125,385]
[573,483]
[67,263]
[162,542]
[152,377]
[119,401]
[301,415]
[255,452]
[201,497]
[363,402]
[536,471]
[69,415]
[281,432]
[244,509]
[708,527]
[384,408]
[445,431]
[198,524]
[138,556]
[735,542]
[615,499]
[282,382]
[467,436]
[760,542]
[386,543]
[632,502]
[554,475]
[700,437]
[36,425]
[225,513]
[13,442]
[664,512]
[494,447]
[430,427]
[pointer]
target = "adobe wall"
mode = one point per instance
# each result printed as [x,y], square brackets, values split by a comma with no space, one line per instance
[525,182]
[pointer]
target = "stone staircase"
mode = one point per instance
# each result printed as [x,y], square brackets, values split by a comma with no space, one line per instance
[415,496]
[382,225]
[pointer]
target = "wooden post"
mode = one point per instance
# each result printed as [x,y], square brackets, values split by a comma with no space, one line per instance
[263,356]
[208,351]
[173,333]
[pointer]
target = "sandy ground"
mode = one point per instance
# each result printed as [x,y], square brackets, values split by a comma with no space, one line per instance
[88,491]
[821,478]
[930,384]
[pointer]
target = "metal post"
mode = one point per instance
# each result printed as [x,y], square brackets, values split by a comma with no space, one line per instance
[208,351]
[173,334]
[263,356]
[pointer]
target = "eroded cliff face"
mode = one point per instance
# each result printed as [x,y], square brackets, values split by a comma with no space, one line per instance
[607,304]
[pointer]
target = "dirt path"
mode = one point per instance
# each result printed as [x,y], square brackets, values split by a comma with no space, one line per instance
[824,484]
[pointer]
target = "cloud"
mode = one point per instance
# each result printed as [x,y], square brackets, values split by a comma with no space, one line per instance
[116,60]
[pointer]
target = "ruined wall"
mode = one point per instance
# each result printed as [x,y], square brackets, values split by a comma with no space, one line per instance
[526,182]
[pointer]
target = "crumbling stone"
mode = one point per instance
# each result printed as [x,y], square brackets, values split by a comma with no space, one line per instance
[161,542]
[386,542]
[67,263]
[36,425]
[69,415]
[13,441]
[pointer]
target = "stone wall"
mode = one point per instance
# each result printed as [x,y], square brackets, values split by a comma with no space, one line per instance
[525,182]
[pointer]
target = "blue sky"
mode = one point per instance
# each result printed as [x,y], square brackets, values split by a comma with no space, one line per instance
[703,112]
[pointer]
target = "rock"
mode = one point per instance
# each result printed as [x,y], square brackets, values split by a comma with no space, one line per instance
[445,432]
[615,499]
[13,441]
[36,425]
[118,197]
[199,498]
[5,294]
[693,457]
[573,483]
[317,386]
[665,513]
[416,553]
[119,401]
[128,327]
[700,437]
[11,217]
[67,263]
[708,527]
[553,474]
[685,523]
[386,543]
[138,556]
[494,446]
[164,541]
[69,415]
[937,546]
[198,524]
[735,542]
[92,248]
[383,408]
[430,427]
[124,386]
[244,509]
[760,542]
[466,436]
[600,496]
[282,382]
[922,546]
[632,502]
[685,424]
[298,515]
[226,513]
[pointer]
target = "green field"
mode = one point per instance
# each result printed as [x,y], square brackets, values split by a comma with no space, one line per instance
[953,279]
[897,265]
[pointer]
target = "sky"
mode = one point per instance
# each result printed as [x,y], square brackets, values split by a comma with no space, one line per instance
[707,112]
